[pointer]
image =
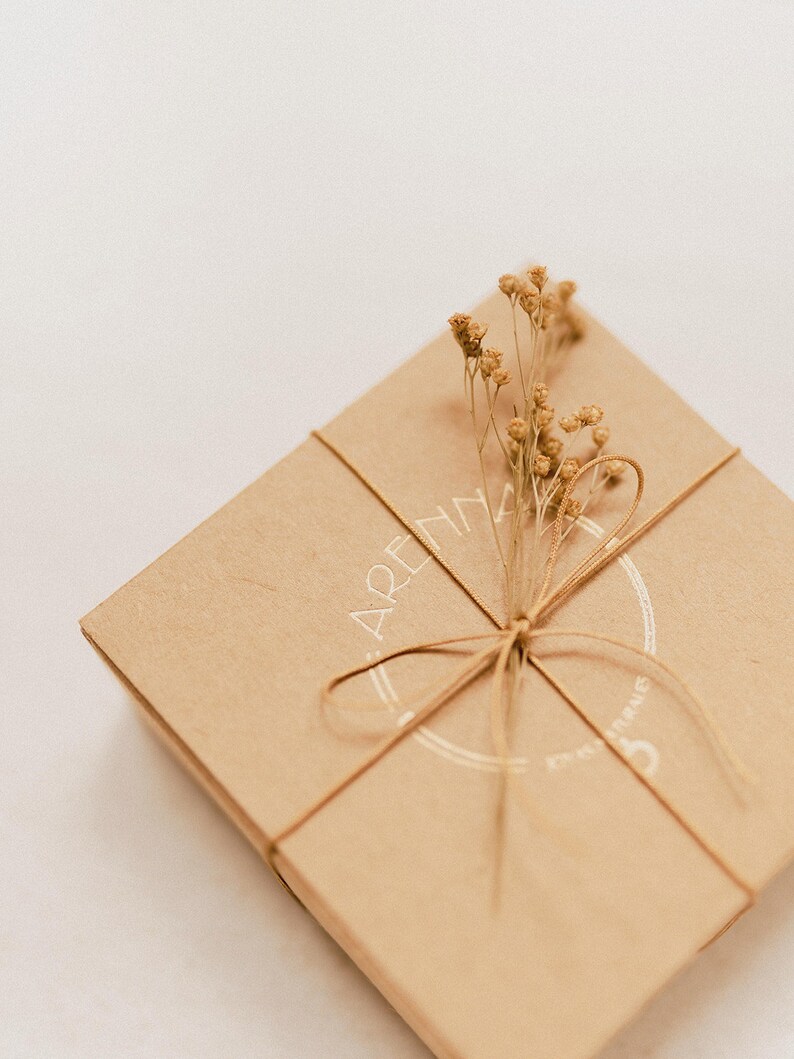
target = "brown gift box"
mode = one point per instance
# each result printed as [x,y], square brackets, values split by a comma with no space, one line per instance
[545,940]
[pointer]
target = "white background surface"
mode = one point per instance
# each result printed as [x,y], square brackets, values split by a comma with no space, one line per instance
[222,221]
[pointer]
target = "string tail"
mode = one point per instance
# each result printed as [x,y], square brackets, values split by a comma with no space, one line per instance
[679,817]
[703,715]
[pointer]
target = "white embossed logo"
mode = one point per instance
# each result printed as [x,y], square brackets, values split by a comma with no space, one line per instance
[403,559]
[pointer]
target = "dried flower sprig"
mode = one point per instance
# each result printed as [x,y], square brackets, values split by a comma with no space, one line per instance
[541,463]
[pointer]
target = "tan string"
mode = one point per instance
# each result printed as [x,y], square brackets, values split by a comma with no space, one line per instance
[651,520]
[703,714]
[423,540]
[520,632]
[591,562]
[676,814]
[475,665]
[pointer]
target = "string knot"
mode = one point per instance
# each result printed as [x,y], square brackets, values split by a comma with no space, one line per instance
[521,628]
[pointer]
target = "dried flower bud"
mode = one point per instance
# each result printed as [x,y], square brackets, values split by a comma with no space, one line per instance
[552,447]
[529,300]
[459,323]
[590,415]
[510,284]
[566,289]
[570,424]
[541,465]
[544,416]
[575,324]
[601,436]
[614,468]
[490,361]
[468,334]
[501,376]
[569,468]
[518,429]
[540,392]
[573,508]
[551,309]
[538,275]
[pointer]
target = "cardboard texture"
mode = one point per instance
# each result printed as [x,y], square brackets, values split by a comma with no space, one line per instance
[546,948]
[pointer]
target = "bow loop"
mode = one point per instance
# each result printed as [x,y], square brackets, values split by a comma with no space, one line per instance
[598,556]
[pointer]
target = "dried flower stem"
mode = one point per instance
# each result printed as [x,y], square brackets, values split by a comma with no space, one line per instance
[539,464]
[518,349]
[480,447]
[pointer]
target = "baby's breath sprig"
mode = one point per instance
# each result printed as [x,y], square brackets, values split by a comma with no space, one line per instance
[540,461]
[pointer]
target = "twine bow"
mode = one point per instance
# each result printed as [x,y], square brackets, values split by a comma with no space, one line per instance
[514,641]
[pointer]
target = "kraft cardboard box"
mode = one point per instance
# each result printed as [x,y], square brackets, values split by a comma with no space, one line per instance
[494,931]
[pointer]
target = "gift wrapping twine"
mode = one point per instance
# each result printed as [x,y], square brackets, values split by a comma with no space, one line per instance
[519,634]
